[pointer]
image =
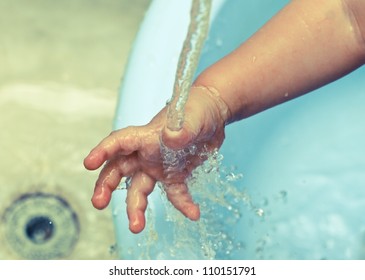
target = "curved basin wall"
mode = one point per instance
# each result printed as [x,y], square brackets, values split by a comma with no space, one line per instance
[302,162]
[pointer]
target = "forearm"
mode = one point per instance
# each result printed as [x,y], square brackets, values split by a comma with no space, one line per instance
[308,44]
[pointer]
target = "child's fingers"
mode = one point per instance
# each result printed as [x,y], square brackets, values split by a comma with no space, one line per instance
[109,178]
[141,186]
[122,142]
[179,196]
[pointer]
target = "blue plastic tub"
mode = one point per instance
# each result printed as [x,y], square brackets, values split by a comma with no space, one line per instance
[303,162]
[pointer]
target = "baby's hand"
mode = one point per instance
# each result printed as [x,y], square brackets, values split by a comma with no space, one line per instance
[135,152]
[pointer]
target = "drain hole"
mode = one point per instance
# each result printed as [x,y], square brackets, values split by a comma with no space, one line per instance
[40,226]
[39,229]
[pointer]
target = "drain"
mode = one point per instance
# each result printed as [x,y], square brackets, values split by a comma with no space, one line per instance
[41,226]
[39,229]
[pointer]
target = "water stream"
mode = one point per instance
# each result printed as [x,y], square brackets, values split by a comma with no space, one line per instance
[188,61]
[174,160]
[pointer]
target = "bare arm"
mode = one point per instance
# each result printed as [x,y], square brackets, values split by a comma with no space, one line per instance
[308,44]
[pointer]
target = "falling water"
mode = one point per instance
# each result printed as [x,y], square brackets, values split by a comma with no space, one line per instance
[223,204]
[188,61]
[175,160]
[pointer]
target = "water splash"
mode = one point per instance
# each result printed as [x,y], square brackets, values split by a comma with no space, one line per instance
[224,205]
[175,160]
[212,186]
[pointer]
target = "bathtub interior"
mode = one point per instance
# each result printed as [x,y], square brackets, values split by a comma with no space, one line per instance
[60,70]
[302,190]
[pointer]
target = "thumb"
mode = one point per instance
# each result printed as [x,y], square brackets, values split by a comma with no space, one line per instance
[177,139]
[190,131]
[195,119]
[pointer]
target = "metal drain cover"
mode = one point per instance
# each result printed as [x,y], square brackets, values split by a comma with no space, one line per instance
[41,226]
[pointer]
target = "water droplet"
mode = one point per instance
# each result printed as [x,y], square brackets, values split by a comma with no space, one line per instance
[260,212]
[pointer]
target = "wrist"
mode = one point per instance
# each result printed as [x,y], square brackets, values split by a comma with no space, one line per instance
[222,107]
